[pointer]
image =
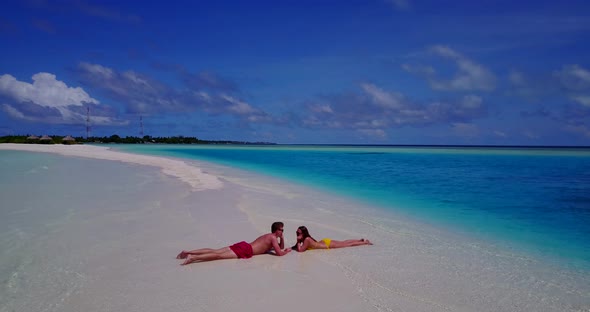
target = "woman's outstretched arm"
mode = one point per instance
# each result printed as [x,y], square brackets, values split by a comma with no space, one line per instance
[306,244]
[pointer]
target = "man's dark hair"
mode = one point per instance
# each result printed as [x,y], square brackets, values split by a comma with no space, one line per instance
[275,226]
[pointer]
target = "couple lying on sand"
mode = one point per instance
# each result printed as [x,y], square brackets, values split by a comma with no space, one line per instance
[266,243]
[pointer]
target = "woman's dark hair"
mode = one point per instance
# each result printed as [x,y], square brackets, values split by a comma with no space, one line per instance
[304,235]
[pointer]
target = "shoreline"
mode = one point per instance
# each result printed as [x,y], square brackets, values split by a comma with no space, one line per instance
[155,217]
[187,173]
[422,212]
[411,267]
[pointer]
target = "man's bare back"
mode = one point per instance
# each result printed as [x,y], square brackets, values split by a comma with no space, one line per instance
[264,243]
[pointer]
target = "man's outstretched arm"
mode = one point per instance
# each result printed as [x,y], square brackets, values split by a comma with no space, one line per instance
[279,251]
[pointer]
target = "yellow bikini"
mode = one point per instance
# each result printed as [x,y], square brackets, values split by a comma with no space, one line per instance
[326,241]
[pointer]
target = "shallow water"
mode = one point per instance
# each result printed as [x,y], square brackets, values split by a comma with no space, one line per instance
[413,266]
[534,199]
[58,216]
[94,223]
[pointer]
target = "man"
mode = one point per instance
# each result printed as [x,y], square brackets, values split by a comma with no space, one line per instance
[241,250]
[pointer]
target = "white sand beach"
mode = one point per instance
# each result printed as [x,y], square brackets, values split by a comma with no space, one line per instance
[109,226]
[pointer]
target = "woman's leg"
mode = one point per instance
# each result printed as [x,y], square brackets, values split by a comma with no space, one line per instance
[349,243]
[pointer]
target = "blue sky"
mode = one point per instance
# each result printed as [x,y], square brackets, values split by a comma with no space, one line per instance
[363,72]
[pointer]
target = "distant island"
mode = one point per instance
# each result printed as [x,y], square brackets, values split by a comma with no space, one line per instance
[57,139]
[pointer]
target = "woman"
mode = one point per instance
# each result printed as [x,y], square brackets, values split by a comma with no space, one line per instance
[305,242]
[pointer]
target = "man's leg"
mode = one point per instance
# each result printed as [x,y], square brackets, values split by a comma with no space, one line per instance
[218,254]
[183,254]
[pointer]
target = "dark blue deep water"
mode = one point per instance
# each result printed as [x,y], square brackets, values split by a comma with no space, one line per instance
[534,199]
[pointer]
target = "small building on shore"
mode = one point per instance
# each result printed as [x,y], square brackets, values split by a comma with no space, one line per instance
[68,140]
[46,139]
[32,139]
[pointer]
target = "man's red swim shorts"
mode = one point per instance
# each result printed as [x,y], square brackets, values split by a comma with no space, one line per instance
[242,249]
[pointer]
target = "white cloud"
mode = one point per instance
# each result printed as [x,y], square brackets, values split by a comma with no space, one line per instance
[321,108]
[136,79]
[582,99]
[445,51]
[575,83]
[203,95]
[121,85]
[574,77]
[15,113]
[49,100]
[97,70]
[383,98]
[471,102]
[238,106]
[45,91]
[374,108]
[470,76]
[142,94]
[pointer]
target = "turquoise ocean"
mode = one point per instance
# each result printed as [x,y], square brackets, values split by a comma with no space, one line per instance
[534,200]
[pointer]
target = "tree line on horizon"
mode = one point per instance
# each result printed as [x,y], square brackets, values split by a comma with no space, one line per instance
[116,139]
